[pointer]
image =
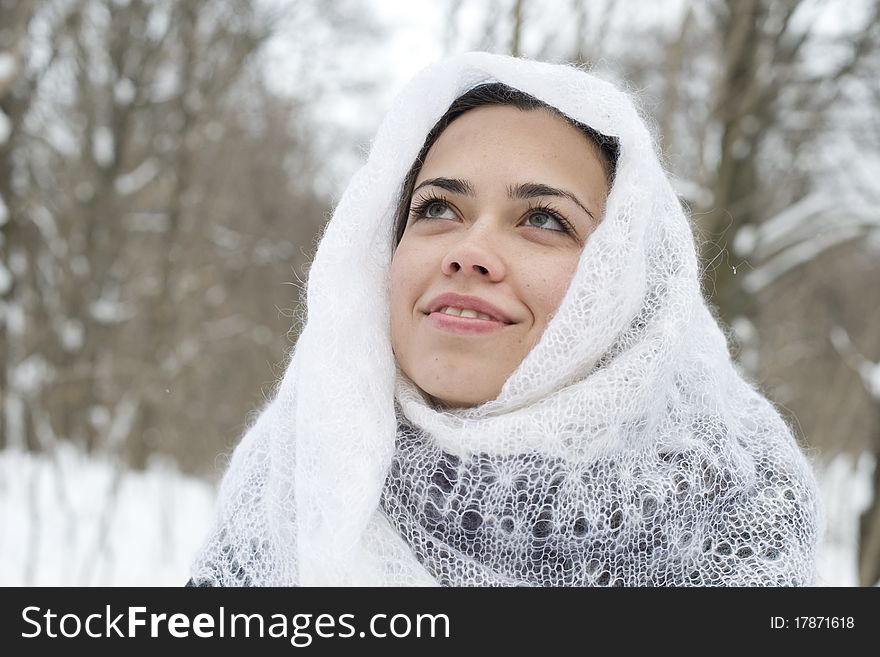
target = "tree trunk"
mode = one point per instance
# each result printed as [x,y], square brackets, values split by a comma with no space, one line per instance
[869,527]
[517,28]
[14,102]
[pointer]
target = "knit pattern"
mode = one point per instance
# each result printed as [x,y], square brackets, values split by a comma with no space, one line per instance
[636,519]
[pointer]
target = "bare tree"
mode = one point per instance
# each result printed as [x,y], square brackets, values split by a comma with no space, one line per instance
[158,197]
[18,239]
[516,33]
[13,106]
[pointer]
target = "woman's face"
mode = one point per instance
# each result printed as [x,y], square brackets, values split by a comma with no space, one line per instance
[488,223]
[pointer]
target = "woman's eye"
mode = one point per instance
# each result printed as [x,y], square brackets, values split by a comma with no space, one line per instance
[438,210]
[545,218]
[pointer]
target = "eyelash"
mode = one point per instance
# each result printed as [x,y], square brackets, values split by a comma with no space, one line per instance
[423,202]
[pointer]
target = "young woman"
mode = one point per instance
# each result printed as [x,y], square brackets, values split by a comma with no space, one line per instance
[508,374]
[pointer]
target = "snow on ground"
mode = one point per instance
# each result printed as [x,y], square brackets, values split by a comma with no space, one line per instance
[845,483]
[80,521]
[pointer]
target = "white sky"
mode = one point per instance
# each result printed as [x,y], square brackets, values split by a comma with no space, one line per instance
[416,33]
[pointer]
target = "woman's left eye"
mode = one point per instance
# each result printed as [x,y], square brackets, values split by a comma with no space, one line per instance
[544,218]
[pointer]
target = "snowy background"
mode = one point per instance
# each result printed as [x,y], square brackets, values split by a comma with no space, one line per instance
[76,521]
[166,168]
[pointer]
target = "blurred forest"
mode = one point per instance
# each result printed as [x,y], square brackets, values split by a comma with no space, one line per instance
[160,199]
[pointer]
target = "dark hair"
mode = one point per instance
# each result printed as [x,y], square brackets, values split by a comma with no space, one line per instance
[495,93]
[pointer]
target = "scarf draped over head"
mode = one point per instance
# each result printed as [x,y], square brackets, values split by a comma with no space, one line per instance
[626,449]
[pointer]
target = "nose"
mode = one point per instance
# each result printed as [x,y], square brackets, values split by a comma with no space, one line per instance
[473,256]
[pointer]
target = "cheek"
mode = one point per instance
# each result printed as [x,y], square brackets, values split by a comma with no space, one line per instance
[396,291]
[403,289]
[547,282]
[411,265]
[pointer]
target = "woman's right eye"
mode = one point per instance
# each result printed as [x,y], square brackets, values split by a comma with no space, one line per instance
[436,210]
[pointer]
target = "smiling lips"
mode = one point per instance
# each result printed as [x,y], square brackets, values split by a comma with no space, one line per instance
[461,312]
[465,314]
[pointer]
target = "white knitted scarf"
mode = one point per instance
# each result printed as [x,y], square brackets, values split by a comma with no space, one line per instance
[626,449]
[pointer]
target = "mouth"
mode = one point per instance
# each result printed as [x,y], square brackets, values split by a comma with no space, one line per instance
[466,313]
[467,307]
[469,323]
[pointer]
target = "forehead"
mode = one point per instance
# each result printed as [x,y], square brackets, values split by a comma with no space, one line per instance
[504,141]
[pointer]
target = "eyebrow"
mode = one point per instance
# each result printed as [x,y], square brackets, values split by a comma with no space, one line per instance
[522,191]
